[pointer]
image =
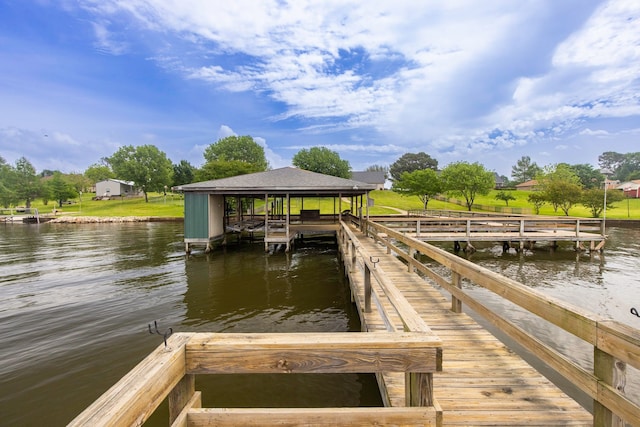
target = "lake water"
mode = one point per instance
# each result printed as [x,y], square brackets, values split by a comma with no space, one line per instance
[75,302]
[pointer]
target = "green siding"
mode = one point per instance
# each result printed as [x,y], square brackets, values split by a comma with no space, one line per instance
[196,216]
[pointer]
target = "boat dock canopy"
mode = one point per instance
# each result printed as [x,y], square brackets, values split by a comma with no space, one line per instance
[288,180]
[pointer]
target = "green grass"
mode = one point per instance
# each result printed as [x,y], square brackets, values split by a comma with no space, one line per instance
[384,200]
[171,207]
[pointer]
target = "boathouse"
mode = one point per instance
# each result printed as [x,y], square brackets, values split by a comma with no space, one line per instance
[279,204]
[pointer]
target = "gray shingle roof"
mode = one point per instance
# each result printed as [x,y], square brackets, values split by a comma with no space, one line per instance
[282,180]
[372,177]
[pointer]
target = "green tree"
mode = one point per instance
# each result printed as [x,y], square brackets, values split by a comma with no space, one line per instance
[505,197]
[467,180]
[524,170]
[145,165]
[218,169]
[589,176]
[238,148]
[422,183]
[610,160]
[537,199]
[60,189]
[27,184]
[593,199]
[97,172]
[629,168]
[8,195]
[183,173]
[322,160]
[561,187]
[410,162]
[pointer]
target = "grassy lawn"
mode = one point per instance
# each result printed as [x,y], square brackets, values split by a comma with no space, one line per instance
[172,206]
[384,201]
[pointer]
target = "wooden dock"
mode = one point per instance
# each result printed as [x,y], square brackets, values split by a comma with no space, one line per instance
[513,231]
[483,382]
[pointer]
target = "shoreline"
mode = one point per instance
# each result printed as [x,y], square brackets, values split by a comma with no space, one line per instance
[111,219]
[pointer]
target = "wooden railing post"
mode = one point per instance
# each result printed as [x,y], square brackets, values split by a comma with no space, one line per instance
[613,373]
[456,281]
[603,369]
[367,289]
[419,389]
[412,255]
[180,396]
[353,255]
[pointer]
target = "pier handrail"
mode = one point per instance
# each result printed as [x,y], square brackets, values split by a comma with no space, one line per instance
[614,344]
[578,227]
[411,319]
[169,373]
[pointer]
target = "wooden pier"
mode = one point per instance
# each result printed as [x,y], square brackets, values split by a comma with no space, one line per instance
[435,365]
[518,232]
[483,382]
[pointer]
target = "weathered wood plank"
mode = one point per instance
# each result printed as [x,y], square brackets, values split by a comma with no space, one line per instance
[364,417]
[180,396]
[194,402]
[621,341]
[313,353]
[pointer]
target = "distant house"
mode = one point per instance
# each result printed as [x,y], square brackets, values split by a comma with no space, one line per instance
[528,185]
[376,178]
[499,180]
[631,189]
[115,187]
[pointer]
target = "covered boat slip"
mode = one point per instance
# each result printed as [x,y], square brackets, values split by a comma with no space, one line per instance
[280,204]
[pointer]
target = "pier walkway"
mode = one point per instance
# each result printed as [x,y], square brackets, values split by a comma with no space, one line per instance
[482,381]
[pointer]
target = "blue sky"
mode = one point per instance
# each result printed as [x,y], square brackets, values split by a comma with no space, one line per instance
[488,81]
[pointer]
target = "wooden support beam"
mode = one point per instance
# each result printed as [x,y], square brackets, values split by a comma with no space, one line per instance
[326,352]
[456,281]
[180,396]
[266,417]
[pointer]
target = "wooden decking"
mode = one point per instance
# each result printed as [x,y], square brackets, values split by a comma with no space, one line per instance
[482,382]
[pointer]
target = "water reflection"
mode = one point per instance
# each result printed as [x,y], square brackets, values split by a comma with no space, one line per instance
[75,302]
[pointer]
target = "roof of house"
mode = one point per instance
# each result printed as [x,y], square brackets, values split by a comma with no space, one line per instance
[530,183]
[281,181]
[119,181]
[370,177]
[629,185]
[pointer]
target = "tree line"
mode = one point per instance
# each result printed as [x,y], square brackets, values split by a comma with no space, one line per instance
[560,185]
[150,170]
[416,174]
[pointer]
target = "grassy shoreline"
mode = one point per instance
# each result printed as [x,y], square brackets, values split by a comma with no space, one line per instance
[386,202]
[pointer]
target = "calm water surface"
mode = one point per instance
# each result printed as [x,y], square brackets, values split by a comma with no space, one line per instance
[75,301]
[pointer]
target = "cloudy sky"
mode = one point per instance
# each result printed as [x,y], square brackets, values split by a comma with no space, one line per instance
[487,81]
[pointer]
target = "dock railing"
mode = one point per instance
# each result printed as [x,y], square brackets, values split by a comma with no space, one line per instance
[169,373]
[614,344]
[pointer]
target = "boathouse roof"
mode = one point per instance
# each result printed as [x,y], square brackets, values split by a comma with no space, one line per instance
[287,180]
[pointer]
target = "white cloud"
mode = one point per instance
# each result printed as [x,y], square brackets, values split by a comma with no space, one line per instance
[225,131]
[599,132]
